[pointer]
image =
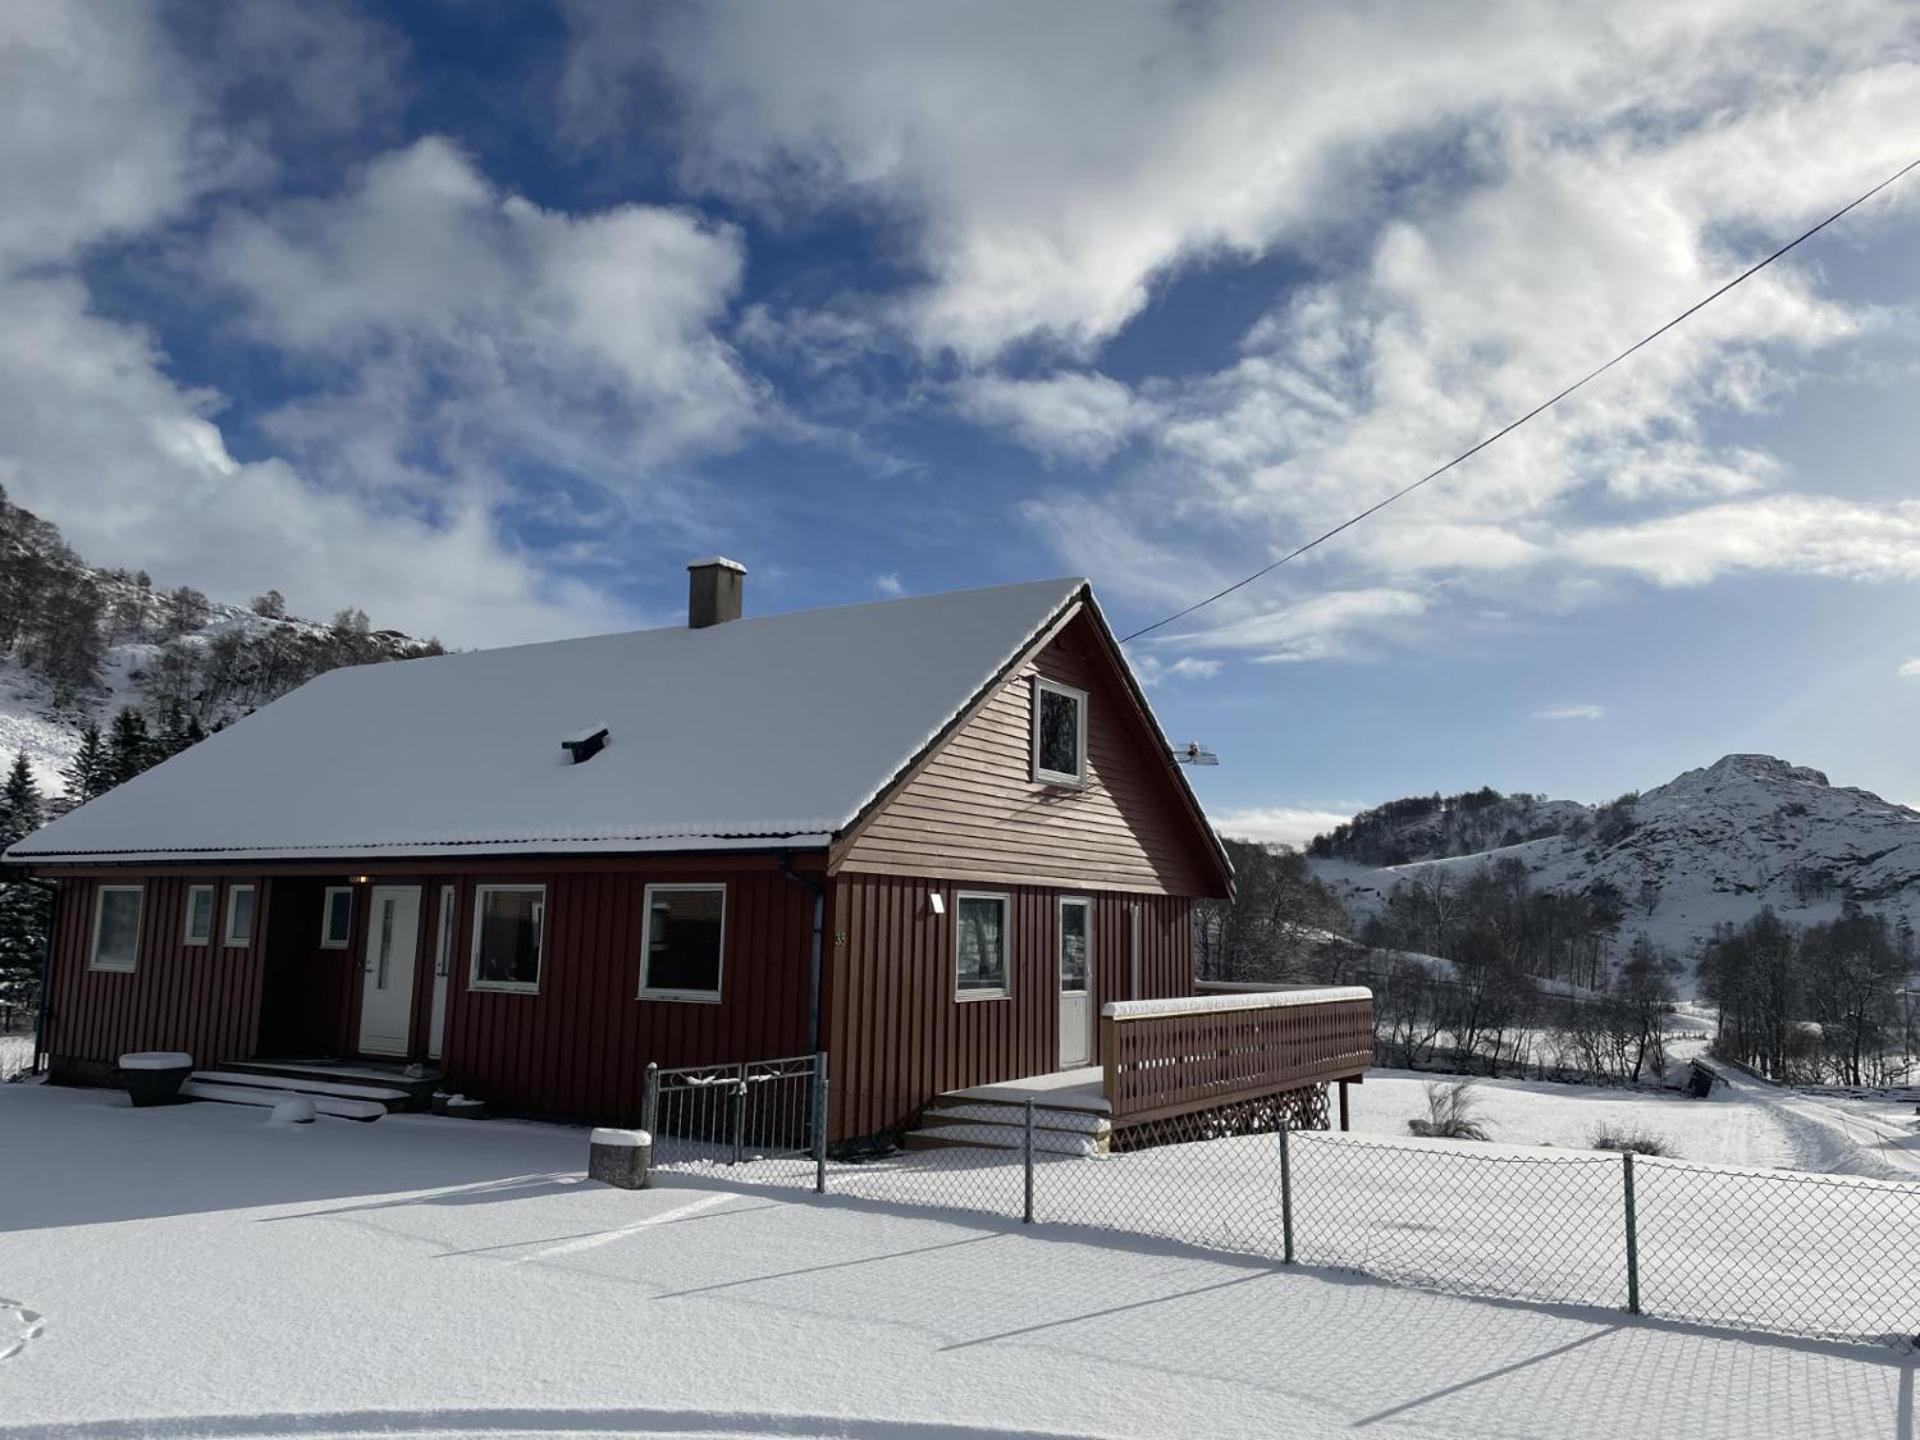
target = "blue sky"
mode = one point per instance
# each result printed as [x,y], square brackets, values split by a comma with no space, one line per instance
[486,317]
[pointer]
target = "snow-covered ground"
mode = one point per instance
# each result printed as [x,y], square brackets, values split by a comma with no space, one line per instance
[1747,1123]
[16,1054]
[196,1271]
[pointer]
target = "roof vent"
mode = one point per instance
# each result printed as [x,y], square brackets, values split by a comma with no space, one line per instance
[583,745]
[713,591]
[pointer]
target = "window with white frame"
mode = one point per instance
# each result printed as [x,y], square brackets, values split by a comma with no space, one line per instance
[684,942]
[199,926]
[239,915]
[1059,733]
[980,946]
[116,927]
[336,917]
[507,925]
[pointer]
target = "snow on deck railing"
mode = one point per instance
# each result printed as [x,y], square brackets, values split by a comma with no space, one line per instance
[1234,1000]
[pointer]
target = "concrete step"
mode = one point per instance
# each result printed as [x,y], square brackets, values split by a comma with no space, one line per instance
[961,1134]
[383,1095]
[418,1088]
[945,1109]
[266,1099]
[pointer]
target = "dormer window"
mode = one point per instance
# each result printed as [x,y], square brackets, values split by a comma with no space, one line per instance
[1059,733]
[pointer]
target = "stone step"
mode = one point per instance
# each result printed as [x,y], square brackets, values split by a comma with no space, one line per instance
[266,1099]
[383,1095]
[958,1134]
[419,1088]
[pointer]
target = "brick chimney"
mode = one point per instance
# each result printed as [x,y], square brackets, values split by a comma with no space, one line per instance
[713,591]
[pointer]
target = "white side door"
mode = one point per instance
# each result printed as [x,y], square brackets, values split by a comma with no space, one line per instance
[386,994]
[442,965]
[1076,982]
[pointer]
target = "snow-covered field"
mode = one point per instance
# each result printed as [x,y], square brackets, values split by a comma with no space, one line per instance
[197,1271]
[1753,1125]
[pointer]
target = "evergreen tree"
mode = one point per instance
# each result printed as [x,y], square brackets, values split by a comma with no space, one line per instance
[25,914]
[90,771]
[130,748]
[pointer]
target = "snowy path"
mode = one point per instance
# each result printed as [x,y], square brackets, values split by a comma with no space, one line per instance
[1830,1135]
[196,1271]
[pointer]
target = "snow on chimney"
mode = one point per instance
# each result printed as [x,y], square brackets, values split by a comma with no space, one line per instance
[714,586]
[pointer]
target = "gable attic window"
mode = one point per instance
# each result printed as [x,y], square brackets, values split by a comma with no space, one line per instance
[684,943]
[508,921]
[199,929]
[336,917]
[1059,733]
[116,927]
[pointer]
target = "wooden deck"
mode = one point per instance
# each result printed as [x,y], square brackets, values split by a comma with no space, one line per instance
[1163,1059]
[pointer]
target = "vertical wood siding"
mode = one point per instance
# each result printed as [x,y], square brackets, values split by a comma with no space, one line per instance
[897,1033]
[203,999]
[974,811]
[580,1046]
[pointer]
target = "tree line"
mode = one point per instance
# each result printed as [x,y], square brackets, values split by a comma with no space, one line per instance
[1822,1004]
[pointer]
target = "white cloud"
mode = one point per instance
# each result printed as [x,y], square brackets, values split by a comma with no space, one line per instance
[1277,824]
[887,585]
[531,318]
[1318,628]
[1150,669]
[1053,163]
[101,135]
[1570,712]
[1068,416]
[1800,534]
[96,436]
[442,330]
[1911,669]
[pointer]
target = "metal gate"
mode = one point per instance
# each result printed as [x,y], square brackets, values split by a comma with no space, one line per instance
[723,1115]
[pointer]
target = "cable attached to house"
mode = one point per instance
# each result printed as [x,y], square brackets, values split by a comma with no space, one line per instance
[1544,405]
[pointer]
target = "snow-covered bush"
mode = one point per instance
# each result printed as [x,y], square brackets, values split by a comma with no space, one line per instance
[1610,1136]
[1451,1109]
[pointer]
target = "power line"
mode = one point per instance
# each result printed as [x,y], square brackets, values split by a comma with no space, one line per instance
[1547,404]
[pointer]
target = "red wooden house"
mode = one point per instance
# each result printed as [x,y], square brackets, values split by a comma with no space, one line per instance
[933,837]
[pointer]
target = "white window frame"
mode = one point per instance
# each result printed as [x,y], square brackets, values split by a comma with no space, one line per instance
[1041,686]
[684,997]
[326,916]
[1005,901]
[1060,945]
[227,938]
[205,937]
[509,987]
[139,922]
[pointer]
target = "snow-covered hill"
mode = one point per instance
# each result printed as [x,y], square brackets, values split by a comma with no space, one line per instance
[1711,845]
[216,661]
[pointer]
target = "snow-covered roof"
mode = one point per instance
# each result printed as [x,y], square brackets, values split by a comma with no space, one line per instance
[772,731]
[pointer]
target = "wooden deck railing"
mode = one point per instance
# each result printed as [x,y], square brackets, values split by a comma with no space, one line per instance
[1170,1057]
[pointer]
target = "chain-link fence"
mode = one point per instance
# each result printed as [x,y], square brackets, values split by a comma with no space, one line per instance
[1829,1256]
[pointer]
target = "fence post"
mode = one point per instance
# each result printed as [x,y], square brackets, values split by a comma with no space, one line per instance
[739,1113]
[1286,1196]
[650,1101]
[820,1123]
[1026,1149]
[1633,1238]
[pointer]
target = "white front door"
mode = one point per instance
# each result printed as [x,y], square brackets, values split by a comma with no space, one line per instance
[442,964]
[386,995]
[1076,983]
